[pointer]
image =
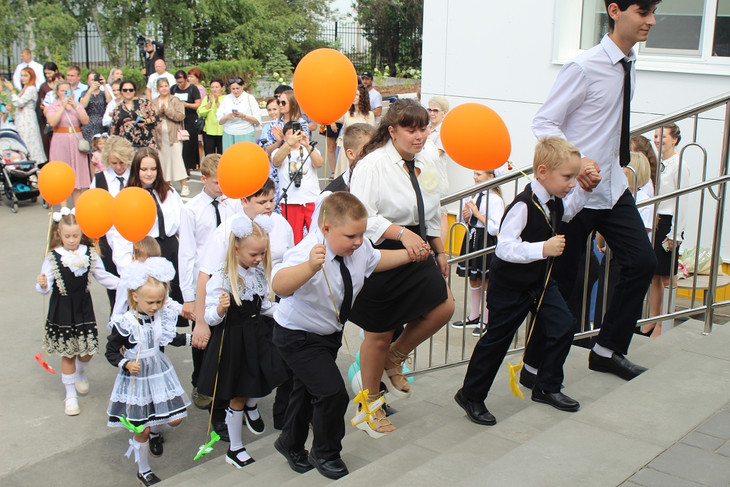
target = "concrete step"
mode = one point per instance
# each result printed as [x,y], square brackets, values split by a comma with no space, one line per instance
[621,426]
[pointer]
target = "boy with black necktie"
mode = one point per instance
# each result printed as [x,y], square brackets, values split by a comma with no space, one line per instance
[310,318]
[520,281]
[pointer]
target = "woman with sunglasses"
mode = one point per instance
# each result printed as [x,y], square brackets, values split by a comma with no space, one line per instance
[239,114]
[289,111]
[134,118]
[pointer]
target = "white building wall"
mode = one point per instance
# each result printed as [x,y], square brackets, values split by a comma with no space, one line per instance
[506,55]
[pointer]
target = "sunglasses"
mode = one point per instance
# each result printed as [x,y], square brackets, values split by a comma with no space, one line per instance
[127,90]
[432,110]
[237,81]
[281,102]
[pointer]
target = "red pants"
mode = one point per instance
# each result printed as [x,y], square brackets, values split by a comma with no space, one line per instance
[298,216]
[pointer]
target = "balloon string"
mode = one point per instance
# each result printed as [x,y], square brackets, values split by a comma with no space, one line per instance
[43,297]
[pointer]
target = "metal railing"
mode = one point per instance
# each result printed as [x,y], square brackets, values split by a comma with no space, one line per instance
[441,351]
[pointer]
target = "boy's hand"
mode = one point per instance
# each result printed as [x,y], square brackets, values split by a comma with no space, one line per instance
[554,246]
[42,281]
[589,176]
[132,367]
[316,257]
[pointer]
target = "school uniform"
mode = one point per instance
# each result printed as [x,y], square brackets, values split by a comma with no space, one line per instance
[517,279]
[113,183]
[390,196]
[308,336]
[200,217]
[492,207]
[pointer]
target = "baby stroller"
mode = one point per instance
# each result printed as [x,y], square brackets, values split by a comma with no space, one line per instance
[19,175]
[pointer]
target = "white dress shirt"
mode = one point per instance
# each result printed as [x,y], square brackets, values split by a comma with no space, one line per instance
[670,180]
[646,212]
[310,307]
[197,224]
[246,104]
[111,180]
[255,283]
[510,246]
[584,107]
[37,68]
[281,239]
[123,249]
[106,119]
[79,91]
[493,213]
[308,191]
[381,181]
[102,276]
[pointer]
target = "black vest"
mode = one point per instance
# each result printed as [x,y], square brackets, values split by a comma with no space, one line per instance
[101,181]
[525,276]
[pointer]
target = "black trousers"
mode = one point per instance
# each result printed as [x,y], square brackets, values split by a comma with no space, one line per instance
[507,310]
[624,232]
[198,355]
[190,154]
[212,144]
[318,391]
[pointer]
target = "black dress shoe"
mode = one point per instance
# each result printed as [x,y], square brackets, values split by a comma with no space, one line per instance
[232,458]
[527,378]
[617,365]
[332,469]
[298,460]
[255,426]
[558,400]
[476,411]
[148,478]
[156,442]
[221,428]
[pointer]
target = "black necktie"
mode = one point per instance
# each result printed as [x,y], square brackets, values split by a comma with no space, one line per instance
[215,204]
[474,220]
[347,282]
[160,217]
[121,182]
[624,157]
[553,215]
[411,165]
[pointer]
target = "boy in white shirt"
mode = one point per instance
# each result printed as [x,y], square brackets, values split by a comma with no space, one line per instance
[309,326]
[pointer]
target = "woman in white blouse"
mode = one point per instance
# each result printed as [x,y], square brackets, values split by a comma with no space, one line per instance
[146,173]
[388,181]
[671,178]
[239,114]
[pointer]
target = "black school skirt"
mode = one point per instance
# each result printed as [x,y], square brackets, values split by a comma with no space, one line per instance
[664,258]
[391,298]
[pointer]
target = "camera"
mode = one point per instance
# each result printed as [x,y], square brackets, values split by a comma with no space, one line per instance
[97,78]
[296,127]
[295,174]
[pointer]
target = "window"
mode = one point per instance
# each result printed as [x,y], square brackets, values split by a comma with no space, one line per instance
[681,29]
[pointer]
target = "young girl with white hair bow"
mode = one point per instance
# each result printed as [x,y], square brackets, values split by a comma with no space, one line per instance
[71,325]
[241,358]
[147,396]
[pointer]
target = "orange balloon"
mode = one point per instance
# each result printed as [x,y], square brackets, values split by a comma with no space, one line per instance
[325,83]
[94,212]
[489,149]
[243,169]
[133,213]
[56,182]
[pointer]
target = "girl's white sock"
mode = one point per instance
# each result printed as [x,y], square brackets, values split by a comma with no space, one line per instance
[234,421]
[68,382]
[141,455]
[475,293]
[80,369]
[251,403]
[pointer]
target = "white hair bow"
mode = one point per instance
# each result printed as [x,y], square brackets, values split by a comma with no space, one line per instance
[65,211]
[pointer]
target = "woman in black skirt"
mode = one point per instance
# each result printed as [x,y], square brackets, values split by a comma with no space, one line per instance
[669,227]
[399,185]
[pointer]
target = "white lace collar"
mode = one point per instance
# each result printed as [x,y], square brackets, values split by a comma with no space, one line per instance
[76,260]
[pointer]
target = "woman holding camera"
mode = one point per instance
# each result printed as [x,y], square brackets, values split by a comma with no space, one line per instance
[94,101]
[66,117]
[239,114]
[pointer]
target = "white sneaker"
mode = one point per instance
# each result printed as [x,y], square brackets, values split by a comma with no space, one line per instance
[185,191]
[82,385]
[72,406]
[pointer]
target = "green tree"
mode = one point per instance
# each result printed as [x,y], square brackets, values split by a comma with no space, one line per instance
[394,29]
[54,30]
